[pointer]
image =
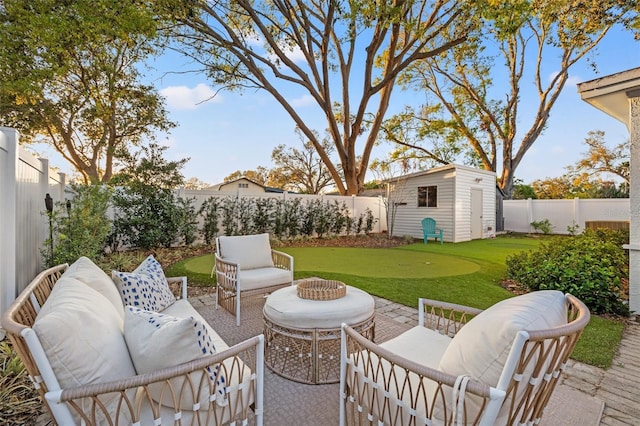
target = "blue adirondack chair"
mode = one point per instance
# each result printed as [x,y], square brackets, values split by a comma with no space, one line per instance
[429,230]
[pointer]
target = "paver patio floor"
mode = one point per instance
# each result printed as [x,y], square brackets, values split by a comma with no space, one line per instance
[586,396]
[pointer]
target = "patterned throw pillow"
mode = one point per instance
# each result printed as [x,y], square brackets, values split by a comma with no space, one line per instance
[157,341]
[146,287]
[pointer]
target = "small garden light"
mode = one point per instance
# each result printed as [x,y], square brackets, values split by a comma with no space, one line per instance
[48,203]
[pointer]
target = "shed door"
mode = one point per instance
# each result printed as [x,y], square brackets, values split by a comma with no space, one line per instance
[476,214]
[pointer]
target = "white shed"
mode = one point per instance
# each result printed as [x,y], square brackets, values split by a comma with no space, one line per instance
[461,199]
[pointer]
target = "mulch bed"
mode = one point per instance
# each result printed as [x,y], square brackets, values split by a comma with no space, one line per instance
[362,241]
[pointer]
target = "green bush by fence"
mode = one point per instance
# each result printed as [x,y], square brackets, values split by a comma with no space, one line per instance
[592,266]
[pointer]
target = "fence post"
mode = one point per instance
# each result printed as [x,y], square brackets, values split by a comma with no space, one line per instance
[576,212]
[529,212]
[380,214]
[62,178]
[8,210]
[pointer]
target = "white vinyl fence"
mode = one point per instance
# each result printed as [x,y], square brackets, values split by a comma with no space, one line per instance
[24,183]
[518,214]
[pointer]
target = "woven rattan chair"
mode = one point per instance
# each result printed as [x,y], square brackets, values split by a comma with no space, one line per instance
[246,265]
[404,382]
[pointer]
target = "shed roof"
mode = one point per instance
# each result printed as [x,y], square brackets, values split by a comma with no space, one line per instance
[439,170]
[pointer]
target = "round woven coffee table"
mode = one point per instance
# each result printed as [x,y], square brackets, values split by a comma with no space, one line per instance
[303,335]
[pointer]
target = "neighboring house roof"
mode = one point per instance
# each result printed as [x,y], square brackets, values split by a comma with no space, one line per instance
[218,186]
[438,170]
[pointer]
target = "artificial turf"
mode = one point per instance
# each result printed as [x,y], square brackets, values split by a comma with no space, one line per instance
[466,273]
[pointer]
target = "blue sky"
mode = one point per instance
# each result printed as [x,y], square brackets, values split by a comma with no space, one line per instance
[238,131]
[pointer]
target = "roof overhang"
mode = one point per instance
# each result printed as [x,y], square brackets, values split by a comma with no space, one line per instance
[610,94]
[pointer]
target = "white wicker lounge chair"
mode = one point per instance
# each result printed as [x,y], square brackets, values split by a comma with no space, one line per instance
[501,368]
[247,265]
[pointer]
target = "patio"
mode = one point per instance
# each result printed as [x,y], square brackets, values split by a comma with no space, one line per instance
[587,395]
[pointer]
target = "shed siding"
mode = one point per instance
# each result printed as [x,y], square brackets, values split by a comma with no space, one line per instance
[453,213]
[409,216]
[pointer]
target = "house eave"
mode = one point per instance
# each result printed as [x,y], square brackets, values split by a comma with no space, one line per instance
[610,94]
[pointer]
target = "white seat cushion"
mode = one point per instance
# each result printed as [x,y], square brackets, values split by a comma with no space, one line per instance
[285,308]
[249,251]
[419,344]
[252,279]
[89,273]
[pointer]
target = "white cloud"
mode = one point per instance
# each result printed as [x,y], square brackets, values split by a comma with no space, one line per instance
[295,54]
[557,149]
[183,97]
[571,81]
[302,101]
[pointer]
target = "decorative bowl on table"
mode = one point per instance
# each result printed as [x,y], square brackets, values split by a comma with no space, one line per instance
[319,289]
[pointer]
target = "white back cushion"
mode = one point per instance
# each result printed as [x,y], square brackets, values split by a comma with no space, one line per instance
[81,334]
[89,273]
[481,347]
[249,251]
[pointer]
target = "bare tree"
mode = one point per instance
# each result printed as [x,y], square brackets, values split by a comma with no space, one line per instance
[344,57]
[532,39]
[300,170]
[389,173]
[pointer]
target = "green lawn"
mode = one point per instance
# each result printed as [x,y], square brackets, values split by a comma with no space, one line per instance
[465,273]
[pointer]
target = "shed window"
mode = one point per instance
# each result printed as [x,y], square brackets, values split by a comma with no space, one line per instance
[243,185]
[428,196]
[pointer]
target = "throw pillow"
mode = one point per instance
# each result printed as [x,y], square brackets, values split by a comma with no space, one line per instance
[146,287]
[158,341]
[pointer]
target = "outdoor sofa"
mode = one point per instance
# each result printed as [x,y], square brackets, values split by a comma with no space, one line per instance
[125,351]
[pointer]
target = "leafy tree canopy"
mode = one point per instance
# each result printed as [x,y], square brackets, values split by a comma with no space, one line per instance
[300,170]
[70,77]
[600,159]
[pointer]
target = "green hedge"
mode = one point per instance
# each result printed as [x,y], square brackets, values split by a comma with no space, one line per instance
[591,266]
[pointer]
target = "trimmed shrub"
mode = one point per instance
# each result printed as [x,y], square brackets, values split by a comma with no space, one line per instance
[591,266]
[81,227]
